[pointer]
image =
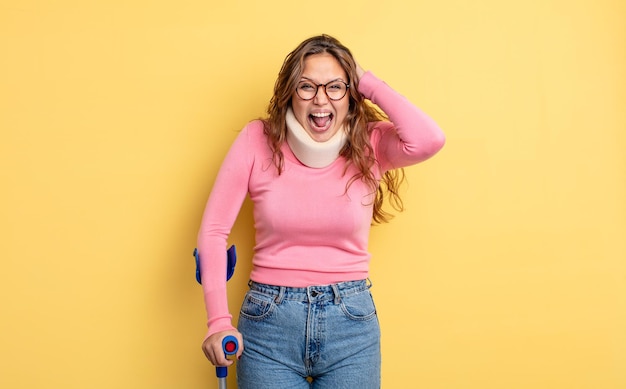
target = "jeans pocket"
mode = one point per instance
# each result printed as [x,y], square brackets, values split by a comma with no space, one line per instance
[359,306]
[257,306]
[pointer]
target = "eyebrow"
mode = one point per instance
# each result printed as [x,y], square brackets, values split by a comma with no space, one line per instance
[313,81]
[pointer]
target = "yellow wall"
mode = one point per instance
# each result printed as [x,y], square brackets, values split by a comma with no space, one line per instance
[507,269]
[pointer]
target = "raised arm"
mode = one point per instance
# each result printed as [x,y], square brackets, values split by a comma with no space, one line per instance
[412,137]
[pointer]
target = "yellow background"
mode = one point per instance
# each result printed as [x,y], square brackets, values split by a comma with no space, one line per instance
[507,269]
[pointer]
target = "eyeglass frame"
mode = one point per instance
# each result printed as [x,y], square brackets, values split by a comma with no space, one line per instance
[317,89]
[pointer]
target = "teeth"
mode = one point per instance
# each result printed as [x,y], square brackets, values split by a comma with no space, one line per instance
[321,115]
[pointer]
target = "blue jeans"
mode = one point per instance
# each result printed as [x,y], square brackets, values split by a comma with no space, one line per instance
[316,337]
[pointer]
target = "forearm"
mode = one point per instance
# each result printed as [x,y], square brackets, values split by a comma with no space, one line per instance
[227,195]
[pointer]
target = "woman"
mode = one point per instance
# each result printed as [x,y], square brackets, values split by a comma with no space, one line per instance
[316,170]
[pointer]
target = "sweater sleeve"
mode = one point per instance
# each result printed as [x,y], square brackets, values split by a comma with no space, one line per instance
[412,136]
[223,206]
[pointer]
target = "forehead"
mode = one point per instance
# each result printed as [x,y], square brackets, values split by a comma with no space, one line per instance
[323,68]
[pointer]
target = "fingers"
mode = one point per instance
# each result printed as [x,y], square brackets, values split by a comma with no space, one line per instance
[359,70]
[216,357]
[212,348]
[241,345]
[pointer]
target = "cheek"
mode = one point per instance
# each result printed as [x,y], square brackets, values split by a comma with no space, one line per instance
[342,110]
[299,109]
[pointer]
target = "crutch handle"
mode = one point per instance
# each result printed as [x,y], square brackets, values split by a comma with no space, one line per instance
[230,345]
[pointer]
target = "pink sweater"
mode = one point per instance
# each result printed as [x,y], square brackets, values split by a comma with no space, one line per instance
[309,231]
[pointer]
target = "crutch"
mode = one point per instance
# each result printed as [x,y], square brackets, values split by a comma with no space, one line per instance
[231,261]
[230,345]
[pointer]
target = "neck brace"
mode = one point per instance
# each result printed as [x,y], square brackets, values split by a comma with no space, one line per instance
[307,150]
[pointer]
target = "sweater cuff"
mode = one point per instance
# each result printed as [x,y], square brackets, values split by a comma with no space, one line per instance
[219,326]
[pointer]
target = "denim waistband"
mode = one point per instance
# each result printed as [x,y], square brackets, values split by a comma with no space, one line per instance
[315,293]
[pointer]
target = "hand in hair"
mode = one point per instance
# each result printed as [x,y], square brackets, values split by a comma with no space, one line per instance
[359,70]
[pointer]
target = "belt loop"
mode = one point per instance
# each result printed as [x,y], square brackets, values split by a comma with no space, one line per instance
[336,292]
[281,295]
[368,283]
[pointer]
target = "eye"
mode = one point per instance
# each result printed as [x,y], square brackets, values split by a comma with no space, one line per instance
[335,86]
[306,86]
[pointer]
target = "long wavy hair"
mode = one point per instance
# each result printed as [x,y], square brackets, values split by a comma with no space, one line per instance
[358,150]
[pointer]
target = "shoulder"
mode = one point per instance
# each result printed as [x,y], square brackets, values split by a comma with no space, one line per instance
[252,142]
[255,128]
[253,133]
[256,125]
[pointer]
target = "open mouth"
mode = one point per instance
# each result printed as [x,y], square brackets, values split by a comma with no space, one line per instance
[321,121]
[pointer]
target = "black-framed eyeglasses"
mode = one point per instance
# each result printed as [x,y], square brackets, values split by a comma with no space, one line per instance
[335,90]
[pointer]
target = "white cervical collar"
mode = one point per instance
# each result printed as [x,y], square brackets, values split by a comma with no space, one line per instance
[307,150]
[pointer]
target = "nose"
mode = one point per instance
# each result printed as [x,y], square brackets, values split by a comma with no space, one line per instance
[321,97]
